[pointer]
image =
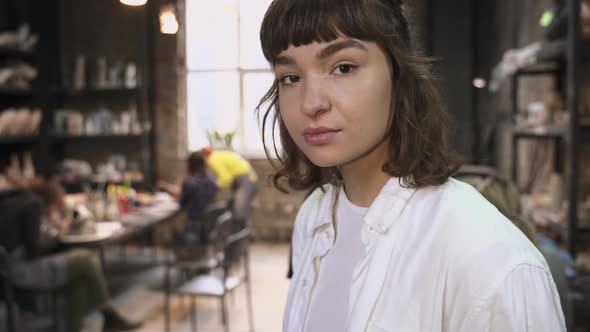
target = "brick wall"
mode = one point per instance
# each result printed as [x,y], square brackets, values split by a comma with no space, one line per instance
[169,98]
[274,211]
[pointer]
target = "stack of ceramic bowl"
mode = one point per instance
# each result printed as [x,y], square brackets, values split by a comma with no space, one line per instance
[20,122]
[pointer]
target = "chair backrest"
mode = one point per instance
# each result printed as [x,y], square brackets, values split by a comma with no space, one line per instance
[216,208]
[220,231]
[7,289]
[235,247]
[4,273]
[479,170]
[4,263]
[208,220]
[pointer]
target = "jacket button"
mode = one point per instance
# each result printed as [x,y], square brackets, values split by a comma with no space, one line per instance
[304,283]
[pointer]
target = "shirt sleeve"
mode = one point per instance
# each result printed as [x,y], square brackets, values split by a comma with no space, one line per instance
[184,195]
[525,301]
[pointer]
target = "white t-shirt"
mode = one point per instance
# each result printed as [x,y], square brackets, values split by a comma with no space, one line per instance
[329,304]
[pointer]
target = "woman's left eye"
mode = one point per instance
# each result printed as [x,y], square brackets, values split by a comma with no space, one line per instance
[344,68]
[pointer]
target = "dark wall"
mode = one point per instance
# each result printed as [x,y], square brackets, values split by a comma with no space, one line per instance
[467,39]
[13,13]
[448,33]
[109,29]
[100,28]
[497,30]
[451,42]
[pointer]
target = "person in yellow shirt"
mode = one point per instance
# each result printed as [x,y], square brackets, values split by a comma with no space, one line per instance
[234,172]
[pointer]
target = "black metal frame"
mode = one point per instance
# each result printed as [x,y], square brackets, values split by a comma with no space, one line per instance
[7,289]
[573,107]
[571,134]
[223,256]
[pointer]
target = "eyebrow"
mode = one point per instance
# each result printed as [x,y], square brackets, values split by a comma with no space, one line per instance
[339,46]
[284,60]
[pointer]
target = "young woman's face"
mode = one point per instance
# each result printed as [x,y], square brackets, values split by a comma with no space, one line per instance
[335,99]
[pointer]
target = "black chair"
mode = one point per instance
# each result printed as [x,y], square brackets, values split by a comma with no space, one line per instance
[7,290]
[215,285]
[194,255]
[40,322]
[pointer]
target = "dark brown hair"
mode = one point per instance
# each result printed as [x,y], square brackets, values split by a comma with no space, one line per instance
[419,155]
[196,162]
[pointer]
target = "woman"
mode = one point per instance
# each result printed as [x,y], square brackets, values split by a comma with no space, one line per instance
[31,218]
[388,241]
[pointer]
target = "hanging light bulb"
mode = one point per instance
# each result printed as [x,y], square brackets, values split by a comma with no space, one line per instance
[133,2]
[168,21]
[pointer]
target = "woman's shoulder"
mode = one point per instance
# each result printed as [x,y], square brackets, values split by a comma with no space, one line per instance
[460,204]
[479,246]
[474,229]
[461,220]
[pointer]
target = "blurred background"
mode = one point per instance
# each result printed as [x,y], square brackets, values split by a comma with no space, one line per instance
[103,102]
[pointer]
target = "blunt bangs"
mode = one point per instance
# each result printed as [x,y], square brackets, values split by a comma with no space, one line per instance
[302,22]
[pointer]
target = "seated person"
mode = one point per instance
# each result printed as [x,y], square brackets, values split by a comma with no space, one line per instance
[197,192]
[36,265]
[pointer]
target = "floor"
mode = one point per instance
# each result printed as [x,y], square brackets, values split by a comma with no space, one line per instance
[142,297]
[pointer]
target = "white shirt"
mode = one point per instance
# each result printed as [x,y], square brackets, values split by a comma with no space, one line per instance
[438,259]
[329,302]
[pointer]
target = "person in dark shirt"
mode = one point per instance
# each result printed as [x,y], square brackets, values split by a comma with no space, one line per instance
[36,262]
[197,191]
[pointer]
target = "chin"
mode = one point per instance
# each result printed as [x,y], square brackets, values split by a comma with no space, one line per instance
[323,159]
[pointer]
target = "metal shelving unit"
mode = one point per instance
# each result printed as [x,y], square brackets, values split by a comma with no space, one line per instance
[569,136]
[573,86]
[50,92]
[17,97]
[18,139]
[85,100]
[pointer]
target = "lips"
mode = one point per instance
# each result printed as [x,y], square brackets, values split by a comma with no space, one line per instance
[319,135]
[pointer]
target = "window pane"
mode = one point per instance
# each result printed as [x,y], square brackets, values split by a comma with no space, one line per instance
[255,86]
[211,34]
[213,104]
[251,14]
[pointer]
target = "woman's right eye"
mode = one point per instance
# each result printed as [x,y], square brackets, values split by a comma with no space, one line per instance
[289,79]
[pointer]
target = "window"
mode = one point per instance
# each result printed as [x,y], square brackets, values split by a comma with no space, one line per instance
[227,74]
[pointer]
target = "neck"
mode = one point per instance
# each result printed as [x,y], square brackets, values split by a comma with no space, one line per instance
[363,177]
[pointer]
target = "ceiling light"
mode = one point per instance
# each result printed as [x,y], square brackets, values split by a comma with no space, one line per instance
[133,2]
[168,21]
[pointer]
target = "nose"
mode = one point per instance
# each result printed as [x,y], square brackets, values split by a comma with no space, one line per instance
[315,98]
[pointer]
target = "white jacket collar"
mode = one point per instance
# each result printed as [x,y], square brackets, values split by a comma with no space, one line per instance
[391,201]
